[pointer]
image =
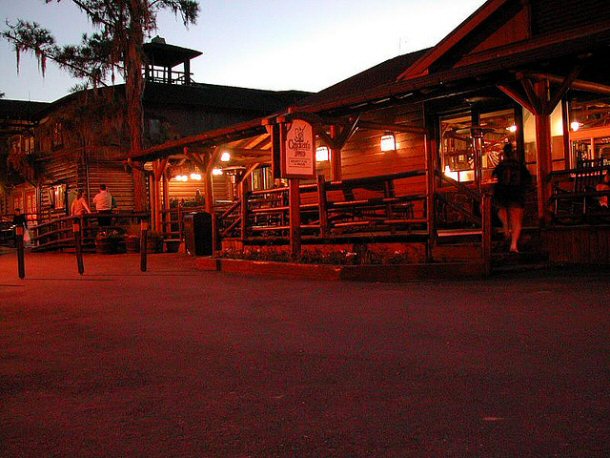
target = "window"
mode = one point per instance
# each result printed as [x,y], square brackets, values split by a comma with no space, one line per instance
[58,135]
[28,144]
[57,196]
[262,178]
[590,131]
[459,142]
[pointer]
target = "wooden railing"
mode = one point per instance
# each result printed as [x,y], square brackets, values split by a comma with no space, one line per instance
[576,196]
[475,208]
[57,234]
[468,206]
[327,209]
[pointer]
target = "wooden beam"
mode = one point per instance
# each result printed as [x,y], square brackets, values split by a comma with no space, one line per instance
[197,158]
[517,97]
[581,85]
[249,171]
[257,141]
[392,127]
[565,85]
[335,157]
[294,198]
[537,101]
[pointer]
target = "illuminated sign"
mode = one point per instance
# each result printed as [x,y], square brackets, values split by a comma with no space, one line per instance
[298,158]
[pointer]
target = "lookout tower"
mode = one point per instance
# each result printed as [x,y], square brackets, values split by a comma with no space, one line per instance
[161,59]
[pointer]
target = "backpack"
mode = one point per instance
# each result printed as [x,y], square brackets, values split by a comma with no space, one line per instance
[513,174]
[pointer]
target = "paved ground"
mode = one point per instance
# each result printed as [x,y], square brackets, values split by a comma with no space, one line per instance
[176,362]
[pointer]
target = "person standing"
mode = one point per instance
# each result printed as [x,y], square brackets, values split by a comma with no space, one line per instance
[79,206]
[19,220]
[510,189]
[103,206]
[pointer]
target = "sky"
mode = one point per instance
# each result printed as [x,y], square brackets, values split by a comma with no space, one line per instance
[265,44]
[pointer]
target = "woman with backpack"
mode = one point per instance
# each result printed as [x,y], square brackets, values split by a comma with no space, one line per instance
[510,189]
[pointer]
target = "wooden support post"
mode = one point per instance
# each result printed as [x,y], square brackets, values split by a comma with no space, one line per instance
[143,245]
[166,216]
[76,229]
[486,232]
[159,167]
[567,147]
[243,198]
[294,198]
[212,157]
[19,230]
[543,153]
[322,206]
[335,157]
[430,197]
[153,204]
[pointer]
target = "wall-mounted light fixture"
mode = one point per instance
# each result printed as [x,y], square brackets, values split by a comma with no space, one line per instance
[575,125]
[388,142]
[195,176]
[216,171]
[512,128]
[322,153]
[181,178]
[225,156]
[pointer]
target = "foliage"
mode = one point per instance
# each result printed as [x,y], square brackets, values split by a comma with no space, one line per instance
[337,257]
[103,53]
[116,47]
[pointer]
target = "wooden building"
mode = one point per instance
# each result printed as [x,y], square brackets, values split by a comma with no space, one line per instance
[81,140]
[529,72]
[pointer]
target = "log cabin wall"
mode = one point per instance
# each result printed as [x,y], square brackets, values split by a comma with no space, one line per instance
[63,175]
[362,155]
[115,176]
[186,190]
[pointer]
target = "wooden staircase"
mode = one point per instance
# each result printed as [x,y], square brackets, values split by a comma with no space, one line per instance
[464,245]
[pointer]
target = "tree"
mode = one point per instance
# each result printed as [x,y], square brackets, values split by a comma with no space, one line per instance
[115,48]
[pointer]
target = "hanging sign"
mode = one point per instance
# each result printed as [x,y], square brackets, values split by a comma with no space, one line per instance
[298,155]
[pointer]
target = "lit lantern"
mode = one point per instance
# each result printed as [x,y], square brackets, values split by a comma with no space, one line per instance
[388,143]
[322,153]
[225,156]
[216,171]
[195,176]
[575,125]
[512,128]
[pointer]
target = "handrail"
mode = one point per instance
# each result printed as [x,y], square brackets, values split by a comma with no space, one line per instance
[57,233]
[354,182]
[460,186]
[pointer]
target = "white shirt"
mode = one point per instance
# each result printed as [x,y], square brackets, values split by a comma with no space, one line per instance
[103,201]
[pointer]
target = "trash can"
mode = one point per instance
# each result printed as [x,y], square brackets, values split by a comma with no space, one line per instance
[198,233]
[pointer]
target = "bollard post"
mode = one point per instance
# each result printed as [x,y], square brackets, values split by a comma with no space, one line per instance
[20,251]
[78,245]
[143,244]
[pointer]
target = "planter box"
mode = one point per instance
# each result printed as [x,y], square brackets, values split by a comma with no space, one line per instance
[109,245]
[394,273]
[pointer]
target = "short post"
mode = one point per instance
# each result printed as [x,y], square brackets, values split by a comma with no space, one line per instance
[76,229]
[486,231]
[143,244]
[20,251]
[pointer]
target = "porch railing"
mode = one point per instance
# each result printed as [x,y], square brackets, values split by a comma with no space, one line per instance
[57,233]
[576,196]
[329,209]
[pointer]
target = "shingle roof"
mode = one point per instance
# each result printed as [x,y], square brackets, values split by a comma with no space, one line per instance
[20,109]
[381,74]
[223,97]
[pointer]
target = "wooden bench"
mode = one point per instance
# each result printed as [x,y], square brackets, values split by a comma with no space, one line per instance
[573,204]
